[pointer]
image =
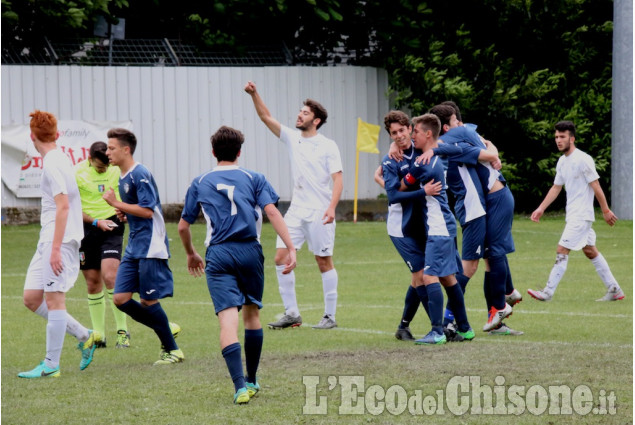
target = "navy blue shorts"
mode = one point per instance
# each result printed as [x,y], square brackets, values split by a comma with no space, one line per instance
[235,274]
[473,243]
[412,251]
[500,215]
[151,278]
[440,256]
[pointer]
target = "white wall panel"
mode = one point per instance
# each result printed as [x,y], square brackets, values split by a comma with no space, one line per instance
[174,111]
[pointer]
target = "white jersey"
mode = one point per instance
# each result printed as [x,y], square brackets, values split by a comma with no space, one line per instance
[313,160]
[575,172]
[58,177]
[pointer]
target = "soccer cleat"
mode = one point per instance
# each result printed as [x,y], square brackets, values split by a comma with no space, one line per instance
[467,335]
[540,295]
[241,396]
[101,344]
[41,371]
[432,338]
[123,339]
[613,294]
[450,333]
[496,317]
[327,322]
[252,389]
[170,357]
[88,348]
[503,330]
[404,334]
[286,321]
[176,330]
[514,298]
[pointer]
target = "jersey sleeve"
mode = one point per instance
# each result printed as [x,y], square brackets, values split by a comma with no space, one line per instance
[192,207]
[587,167]
[448,149]
[265,193]
[57,181]
[469,154]
[286,134]
[559,179]
[334,160]
[146,195]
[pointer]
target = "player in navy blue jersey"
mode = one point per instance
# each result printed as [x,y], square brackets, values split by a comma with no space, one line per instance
[498,202]
[232,200]
[404,224]
[144,268]
[440,255]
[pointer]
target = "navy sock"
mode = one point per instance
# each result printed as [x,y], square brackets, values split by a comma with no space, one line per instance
[161,326]
[509,284]
[423,297]
[253,348]
[134,309]
[497,278]
[411,305]
[486,290]
[435,305]
[455,300]
[462,280]
[234,362]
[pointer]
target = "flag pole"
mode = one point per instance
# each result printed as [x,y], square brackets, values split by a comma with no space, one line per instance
[356,180]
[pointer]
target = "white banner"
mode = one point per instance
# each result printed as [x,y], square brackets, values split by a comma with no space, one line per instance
[22,164]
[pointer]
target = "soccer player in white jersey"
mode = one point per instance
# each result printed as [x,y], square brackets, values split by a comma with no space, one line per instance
[315,162]
[232,200]
[576,171]
[144,268]
[55,265]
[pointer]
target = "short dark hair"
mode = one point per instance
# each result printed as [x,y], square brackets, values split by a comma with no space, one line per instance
[318,110]
[98,151]
[226,143]
[396,116]
[125,137]
[429,122]
[457,111]
[444,113]
[566,126]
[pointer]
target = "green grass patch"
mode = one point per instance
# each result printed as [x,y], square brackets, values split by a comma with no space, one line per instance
[572,340]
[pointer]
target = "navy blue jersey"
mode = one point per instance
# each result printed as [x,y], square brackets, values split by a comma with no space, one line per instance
[231,199]
[439,220]
[404,210]
[148,237]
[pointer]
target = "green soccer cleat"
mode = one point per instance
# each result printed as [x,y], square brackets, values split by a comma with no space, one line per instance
[88,348]
[41,371]
[467,335]
[253,389]
[170,357]
[241,396]
[123,339]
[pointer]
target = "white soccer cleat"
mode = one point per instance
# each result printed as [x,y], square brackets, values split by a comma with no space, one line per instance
[496,317]
[514,298]
[615,293]
[540,295]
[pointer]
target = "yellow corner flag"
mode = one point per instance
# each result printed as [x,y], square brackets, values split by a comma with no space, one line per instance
[367,136]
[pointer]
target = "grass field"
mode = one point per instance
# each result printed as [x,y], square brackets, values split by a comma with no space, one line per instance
[571,341]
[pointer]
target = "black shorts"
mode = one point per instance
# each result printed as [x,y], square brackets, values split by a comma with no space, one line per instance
[98,245]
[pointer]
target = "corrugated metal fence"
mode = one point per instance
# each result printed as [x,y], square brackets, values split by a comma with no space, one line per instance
[174,111]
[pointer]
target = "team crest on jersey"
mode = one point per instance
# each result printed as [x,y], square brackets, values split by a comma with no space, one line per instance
[101,188]
[126,187]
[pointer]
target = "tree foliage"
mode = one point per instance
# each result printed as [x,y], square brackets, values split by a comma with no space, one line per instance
[515,67]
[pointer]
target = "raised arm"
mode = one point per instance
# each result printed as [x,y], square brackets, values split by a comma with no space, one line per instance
[551,196]
[262,110]
[609,217]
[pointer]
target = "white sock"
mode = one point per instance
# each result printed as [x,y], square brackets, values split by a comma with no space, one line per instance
[329,285]
[602,267]
[73,327]
[286,286]
[557,272]
[55,332]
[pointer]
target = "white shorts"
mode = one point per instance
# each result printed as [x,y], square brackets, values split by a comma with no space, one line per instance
[40,274]
[577,235]
[305,224]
